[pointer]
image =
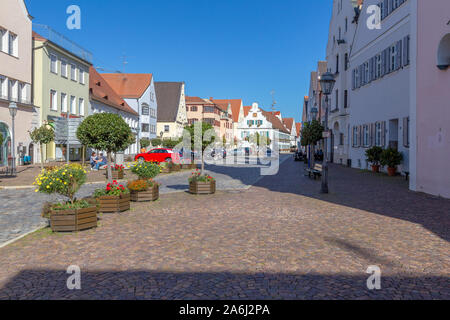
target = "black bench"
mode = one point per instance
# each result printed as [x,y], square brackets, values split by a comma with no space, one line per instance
[315,172]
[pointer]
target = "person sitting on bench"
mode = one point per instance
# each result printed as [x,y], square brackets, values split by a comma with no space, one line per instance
[93,160]
[102,161]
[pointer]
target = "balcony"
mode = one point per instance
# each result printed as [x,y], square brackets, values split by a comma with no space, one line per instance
[62,41]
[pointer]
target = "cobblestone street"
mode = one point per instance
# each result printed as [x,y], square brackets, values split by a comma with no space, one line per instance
[279,239]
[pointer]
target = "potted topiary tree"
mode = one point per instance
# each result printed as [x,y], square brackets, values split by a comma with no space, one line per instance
[71,215]
[144,189]
[42,135]
[391,158]
[205,137]
[114,198]
[374,157]
[105,131]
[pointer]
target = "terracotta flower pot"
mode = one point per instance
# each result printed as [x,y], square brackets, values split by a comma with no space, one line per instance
[375,168]
[392,171]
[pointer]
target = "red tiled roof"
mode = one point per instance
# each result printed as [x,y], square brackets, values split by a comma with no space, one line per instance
[101,91]
[298,127]
[247,110]
[276,122]
[235,106]
[38,37]
[129,85]
[288,123]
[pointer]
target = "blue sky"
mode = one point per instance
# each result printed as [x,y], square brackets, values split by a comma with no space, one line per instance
[220,48]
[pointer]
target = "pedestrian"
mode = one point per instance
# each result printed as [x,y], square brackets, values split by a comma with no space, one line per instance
[102,161]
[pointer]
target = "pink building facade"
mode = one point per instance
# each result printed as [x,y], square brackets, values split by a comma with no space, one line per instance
[430,98]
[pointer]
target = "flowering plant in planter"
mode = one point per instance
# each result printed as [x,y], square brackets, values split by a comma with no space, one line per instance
[198,177]
[145,170]
[112,189]
[65,180]
[118,167]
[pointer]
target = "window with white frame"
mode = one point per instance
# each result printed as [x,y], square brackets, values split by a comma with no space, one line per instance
[81,76]
[13,44]
[63,102]
[53,63]
[393,57]
[13,94]
[378,66]
[23,92]
[166,128]
[378,134]
[366,135]
[53,100]
[3,46]
[3,87]
[145,109]
[64,68]
[73,72]
[73,105]
[81,106]
[355,136]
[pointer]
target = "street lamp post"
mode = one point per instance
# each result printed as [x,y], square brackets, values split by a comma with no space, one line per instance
[13,113]
[327,82]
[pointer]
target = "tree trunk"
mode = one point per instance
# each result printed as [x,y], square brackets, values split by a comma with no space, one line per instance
[42,156]
[108,168]
[83,155]
[203,165]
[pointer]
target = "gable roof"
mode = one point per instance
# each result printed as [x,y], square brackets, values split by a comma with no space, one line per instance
[195,100]
[276,122]
[247,110]
[101,91]
[129,85]
[168,95]
[288,123]
[235,106]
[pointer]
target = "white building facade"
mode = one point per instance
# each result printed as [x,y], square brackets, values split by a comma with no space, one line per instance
[267,125]
[380,83]
[340,38]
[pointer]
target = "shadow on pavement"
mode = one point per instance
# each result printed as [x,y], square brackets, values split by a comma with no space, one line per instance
[144,284]
[364,190]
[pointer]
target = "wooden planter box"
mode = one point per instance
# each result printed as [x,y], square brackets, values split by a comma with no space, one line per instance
[143,196]
[73,220]
[186,166]
[197,187]
[116,175]
[113,204]
[176,167]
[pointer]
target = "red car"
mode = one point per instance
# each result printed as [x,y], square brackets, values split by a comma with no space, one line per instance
[159,155]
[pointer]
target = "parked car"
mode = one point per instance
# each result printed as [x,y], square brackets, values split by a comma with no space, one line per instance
[159,155]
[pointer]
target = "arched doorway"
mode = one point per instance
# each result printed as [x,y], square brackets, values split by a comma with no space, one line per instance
[443,55]
[5,147]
